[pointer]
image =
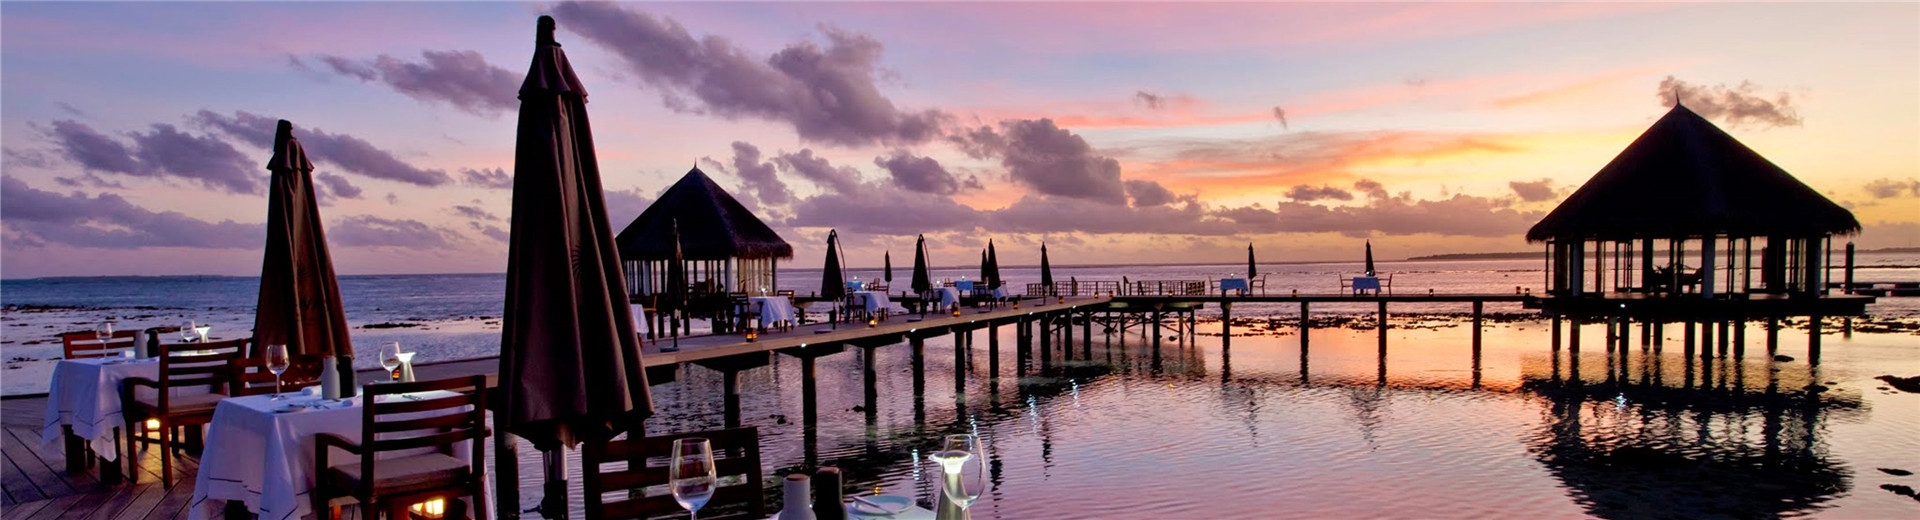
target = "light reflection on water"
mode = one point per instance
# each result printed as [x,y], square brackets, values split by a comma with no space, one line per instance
[1251,428]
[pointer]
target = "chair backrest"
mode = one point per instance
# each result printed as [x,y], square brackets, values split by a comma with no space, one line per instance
[249,375]
[186,365]
[84,344]
[736,452]
[425,414]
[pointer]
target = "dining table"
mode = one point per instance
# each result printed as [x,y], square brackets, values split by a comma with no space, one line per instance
[873,302]
[640,325]
[1364,284]
[774,310]
[1233,284]
[83,400]
[260,451]
[947,298]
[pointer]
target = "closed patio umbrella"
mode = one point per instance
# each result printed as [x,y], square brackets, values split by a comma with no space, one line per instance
[1046,271]
[570,366]
[993,266]
[986,273]
[1369,258]
[299,302]
[889,267]
[833,284]
[922,280]
[676,297]
[1251,271]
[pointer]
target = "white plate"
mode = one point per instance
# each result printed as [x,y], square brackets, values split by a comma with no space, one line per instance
[881,505]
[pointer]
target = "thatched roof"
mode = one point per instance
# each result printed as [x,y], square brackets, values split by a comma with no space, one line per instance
[1686,177]
[713,226]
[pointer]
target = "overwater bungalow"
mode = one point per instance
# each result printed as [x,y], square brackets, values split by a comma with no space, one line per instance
[725,247]
[1673,227]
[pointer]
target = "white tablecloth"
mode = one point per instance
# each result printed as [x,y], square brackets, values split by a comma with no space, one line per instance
[640,324]
[265,459]
[85,394]
[875,302]
[912,513]
[774,310]
[948,298]
[1000,293]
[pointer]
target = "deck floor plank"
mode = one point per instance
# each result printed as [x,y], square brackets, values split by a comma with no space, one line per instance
[23,439]
[59,506]
[34,467]
[151,492]
[17,485]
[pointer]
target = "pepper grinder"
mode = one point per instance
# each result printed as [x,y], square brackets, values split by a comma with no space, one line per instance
[827,499]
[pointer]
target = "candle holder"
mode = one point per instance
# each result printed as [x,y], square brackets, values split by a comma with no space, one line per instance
[873,322]
[432,509]
[752,334]
[956,310]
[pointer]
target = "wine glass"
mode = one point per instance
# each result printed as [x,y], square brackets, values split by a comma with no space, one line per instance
[103,331]
[277,362]
[390,357]
[692,474]
[962,463]
[189,331]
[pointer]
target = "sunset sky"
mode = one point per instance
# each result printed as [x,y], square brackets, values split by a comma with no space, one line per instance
[135,134]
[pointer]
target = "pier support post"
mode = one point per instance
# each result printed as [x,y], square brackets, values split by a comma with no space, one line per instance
[1478,314]
[870,384]
[1689,339]
[1773,336]
[993,352]
[1383,331]
[1556,336]
[1066,336]
[730,396]
[1306,323]
[1226,323]
[1086,339]
[1814,324]
[1046,343]
[1740,338]
[1573,337]
[960,348]
[1726,337]
[1706,340]
[1659,335]
[919,379]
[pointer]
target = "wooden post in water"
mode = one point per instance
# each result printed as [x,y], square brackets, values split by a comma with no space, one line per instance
[1659,335]
[1814,324]
[869,380]
[1046,342]
[730,396]
[1573,337]
[1383,331]
[960,347]
[993,351]
[1066,338]
[919,378]
[1706,340]
[1556,337]
[1689,338]
[1740,338]
[1306,323]
[1726,337]
[1226,322]
[1477,316]
[1086,333]
[1773,336]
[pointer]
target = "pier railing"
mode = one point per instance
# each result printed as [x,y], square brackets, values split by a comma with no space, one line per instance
[1128,288]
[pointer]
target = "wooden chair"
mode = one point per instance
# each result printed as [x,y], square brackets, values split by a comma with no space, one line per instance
[121,339]
[249,375]
[397,420]
[736,452]
[182,365]
[1257,284]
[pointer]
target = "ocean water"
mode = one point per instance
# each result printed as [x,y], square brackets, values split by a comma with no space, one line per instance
[1256,424]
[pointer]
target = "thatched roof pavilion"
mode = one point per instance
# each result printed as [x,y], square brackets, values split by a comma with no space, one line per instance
[726,247]
[1705,197]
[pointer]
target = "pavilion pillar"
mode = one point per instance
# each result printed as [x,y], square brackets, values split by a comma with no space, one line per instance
[1646,265]
[1707,244]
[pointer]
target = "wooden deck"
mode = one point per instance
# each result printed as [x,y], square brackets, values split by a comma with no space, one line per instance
[37,486]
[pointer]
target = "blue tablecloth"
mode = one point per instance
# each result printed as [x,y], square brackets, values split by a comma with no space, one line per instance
[1366,283]
[1233,284]
[963,285]
[856,286]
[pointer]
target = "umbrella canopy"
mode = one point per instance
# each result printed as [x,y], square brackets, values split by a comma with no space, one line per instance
[986,275]
[299,298]
[1369,258]
[1251,272]
[833,285]
[889,267]
[922,280]
[1046,270]
[570,365]
[993,266]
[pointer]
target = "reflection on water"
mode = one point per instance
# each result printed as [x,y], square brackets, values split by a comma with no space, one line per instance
[1258,427]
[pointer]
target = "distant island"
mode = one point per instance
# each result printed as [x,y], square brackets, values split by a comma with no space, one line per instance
[1522,255]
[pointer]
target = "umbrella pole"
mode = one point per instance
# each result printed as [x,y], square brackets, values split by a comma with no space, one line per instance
[506,477]
[554,504]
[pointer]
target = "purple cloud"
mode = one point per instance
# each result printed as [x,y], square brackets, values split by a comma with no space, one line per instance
[372,231]
[624,205]
[341,150]
[759,175]
[1371,187]
[1736,105]
[1889,188]
[1534,191]
[1305,193]
[1148,193]
[815,168]
[490,178]
[35,217]
[923,174]
[462,79]
[474,212]
[829,94]
[337,186]
[1051,160]
[163,151]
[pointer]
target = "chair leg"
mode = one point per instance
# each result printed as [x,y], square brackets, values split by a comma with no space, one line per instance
[166,456]
[128,456]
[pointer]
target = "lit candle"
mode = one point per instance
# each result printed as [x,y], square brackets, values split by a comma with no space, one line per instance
[752,335]
[435,508]
[153,424]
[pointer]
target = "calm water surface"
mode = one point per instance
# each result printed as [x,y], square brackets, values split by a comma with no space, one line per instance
[1210,427]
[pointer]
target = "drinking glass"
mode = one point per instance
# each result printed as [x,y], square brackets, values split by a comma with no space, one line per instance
[692,474]
[390,357]
[104,331]
[960,459]
[277,362]
[189,331]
